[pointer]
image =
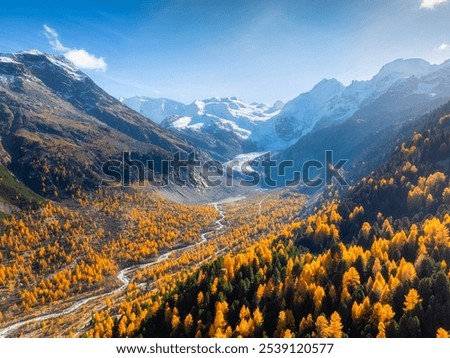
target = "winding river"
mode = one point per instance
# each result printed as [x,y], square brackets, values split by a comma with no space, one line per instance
[123,276]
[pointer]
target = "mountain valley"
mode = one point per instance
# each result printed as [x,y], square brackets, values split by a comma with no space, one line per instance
[138,259]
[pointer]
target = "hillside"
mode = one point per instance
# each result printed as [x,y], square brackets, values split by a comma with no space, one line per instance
[58,127]
[363,266]
[15,195]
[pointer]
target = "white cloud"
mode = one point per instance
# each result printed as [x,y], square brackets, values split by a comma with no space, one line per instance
[443,46]
[79,57]
[431,4]
[83,59]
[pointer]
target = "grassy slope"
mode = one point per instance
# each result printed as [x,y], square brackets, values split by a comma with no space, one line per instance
[13,192]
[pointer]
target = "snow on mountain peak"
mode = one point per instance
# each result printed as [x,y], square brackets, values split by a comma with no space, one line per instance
[227,113]
[30,52]
[405,68]
[327,85]
[67,66]
[156,109]
[37,59]
[329,101]
[5,59]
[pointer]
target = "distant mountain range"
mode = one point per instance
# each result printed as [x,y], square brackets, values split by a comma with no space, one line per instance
[384,111]
[351,120]
[221,126]
[415,84]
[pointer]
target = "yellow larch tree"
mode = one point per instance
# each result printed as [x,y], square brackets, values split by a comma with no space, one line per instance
[412,299]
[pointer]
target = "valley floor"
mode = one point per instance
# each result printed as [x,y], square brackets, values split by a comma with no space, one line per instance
[91,256]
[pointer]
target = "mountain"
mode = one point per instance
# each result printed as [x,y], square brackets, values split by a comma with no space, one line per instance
[227,127]
[368,137]
[157,109]
[220,126]
[373,263]
[401,89]
[57,127]
[230,113]
[299,115]
[416,175]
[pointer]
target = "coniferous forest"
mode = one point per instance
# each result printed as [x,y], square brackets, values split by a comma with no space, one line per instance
[374,264]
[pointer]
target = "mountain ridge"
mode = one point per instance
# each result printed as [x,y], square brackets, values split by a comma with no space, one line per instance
[54,117]
[221,126]
[310,111]
[327,104]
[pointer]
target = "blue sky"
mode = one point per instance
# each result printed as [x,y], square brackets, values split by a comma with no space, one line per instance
[256,50]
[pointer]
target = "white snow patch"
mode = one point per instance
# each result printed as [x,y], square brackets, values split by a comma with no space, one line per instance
[6,79]
[7,60]
[241,162]
[31,52]
[182,122]
[248,156]
[196,126]
[68,67]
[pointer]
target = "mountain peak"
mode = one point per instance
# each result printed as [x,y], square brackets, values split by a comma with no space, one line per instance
[328,85]
[29,52]
[404,68]
[278,105]
[328,82]
[445,63]
[42,61]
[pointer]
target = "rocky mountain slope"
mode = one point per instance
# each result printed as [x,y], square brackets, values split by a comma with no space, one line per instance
[57,127]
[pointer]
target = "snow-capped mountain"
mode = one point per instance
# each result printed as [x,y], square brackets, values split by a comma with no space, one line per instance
[157,109]
[330,102]
[386,110]
[228,113]
[12,62]
[227,127]
[225,123]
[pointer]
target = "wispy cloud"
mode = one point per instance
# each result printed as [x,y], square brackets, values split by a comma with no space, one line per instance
[53,39]
[443,46]
[431,4]
[80,57]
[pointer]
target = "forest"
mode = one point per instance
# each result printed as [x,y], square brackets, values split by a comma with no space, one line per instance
[371,262]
